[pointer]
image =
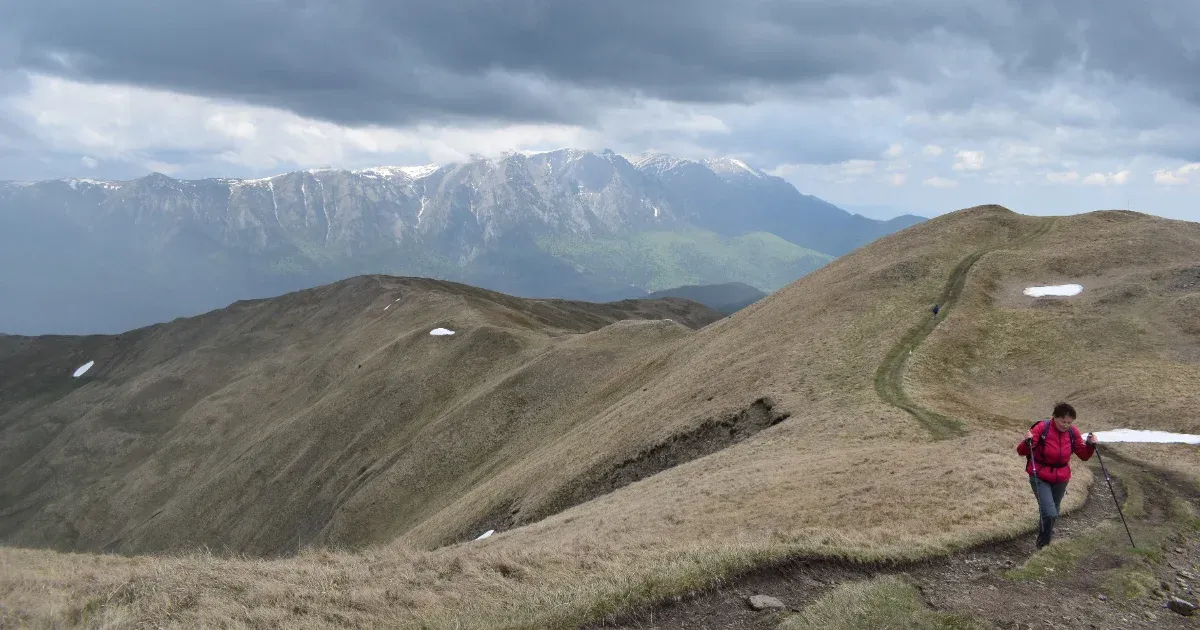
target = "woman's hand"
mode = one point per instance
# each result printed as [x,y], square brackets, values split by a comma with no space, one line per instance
[1091,439]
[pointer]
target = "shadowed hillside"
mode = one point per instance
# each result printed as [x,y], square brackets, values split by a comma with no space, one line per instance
[526,423]
[329,416]
[726,298]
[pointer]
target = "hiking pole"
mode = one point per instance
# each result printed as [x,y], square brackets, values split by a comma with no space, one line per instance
[1033,463]
[1114,496]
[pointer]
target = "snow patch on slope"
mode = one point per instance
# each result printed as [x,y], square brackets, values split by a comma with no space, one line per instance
[75,183]
[657,162]
[411,172]
[732,166]
[1155,437]
[1060,290]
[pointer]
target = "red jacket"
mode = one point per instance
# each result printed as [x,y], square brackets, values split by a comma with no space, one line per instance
[1053,456]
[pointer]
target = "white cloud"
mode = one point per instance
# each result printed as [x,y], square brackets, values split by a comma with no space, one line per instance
[898,179]
[134,124]
[1103,179]
[1026,154]
[1064,177]
[894,151]
[855,168]
[968,160]
[1176,177]
[89,161]
[162,167]
[932,150]
[940,182]
[235,125]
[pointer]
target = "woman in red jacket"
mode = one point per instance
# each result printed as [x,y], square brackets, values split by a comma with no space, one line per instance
[1049,467]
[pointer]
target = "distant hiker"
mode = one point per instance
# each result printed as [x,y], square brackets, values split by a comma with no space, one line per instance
[936,308]
[1048,464]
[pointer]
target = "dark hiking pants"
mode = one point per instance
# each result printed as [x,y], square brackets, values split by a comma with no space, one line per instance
[1049,496]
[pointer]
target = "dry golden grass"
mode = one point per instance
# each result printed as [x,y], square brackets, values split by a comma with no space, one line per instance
[847,475]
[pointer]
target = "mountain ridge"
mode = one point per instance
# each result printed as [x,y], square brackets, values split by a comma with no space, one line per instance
[569,223]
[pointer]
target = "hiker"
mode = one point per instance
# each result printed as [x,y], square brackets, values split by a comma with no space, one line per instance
[936,308]
[1049,463]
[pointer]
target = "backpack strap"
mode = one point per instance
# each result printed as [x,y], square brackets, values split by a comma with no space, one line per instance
[1046,432]
[1042,441]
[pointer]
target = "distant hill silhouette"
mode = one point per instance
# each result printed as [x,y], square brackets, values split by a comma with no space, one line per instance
[727,298]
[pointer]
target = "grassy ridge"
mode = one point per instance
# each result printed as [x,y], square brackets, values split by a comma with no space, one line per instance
[662,260]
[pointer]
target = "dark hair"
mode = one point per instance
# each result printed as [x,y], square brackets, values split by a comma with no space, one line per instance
[1063,410]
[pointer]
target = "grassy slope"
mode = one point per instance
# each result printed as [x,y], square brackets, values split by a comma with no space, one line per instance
[662,260]
[837,479]
[326,417]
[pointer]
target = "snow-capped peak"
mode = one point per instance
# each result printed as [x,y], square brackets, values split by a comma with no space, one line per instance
[412,172]
[656,161]
[732,166]
[77,182]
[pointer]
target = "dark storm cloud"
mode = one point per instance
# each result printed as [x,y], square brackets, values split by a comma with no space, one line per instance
[402,61]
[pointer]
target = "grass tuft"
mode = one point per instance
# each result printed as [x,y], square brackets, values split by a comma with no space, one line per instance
[886,603]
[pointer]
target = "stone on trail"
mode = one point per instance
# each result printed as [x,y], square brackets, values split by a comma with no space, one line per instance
[1185,608]
[765,602]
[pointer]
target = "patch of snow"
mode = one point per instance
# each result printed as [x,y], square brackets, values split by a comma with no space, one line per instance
[1060,290]
[274,203]
[387,307]
[1137,435]
[324,212]
[84,368]
[743,165]
[656,161]
[412,172]
[75,182]
[417,172]
[655,211]
[486,534]
[732,166]
[439,332]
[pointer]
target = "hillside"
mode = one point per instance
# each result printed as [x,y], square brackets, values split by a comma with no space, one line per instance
[563,224]
[295,420]
[627,464]
[724,298]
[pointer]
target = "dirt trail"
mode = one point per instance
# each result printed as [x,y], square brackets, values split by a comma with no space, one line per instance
[889,378]
[974,582]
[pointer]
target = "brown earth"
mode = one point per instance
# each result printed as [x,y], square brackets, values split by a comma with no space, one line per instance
[516,412]
[978,583]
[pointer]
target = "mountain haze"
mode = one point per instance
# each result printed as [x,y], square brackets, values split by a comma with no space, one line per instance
[569,224]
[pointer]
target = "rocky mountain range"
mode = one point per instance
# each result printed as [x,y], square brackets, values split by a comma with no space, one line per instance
[88,256]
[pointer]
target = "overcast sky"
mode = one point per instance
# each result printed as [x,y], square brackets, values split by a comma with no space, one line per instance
[925,106]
